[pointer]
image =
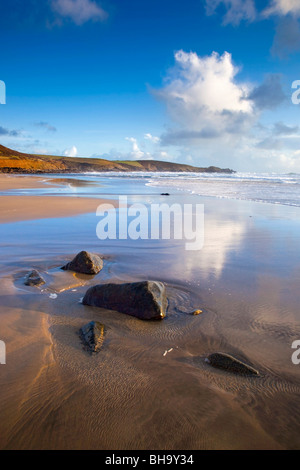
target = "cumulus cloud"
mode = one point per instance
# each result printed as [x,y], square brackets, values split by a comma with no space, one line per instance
[71,152]
[216,117]
[204,99]
[236,10]
[136,153]
[46,125]
[79,11]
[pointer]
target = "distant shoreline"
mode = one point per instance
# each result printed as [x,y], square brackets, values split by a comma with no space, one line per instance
[15,162]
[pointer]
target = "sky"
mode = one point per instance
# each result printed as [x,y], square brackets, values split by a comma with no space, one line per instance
[203,82]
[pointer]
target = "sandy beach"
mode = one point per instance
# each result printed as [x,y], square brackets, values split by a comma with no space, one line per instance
[14,208]
[21,182]
[132,395]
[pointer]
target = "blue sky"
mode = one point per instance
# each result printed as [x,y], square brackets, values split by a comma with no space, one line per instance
[207,82]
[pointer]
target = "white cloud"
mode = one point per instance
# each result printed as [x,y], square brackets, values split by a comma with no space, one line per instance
[204,99]
[283,7]
[152,138]
[285,162]
[71,152]
[236,10]
[215,117]
[165,156]
[79,11]
[136,153]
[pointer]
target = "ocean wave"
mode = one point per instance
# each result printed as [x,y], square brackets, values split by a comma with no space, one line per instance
[266,187]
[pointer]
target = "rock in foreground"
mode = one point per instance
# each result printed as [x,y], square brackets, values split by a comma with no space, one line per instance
[92,335]
[230,364]
[85,263]
[145,300]
[34,279]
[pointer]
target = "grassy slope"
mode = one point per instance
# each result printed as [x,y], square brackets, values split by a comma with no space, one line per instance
[12,161]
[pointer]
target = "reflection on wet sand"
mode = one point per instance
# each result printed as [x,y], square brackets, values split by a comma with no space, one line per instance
[73,182]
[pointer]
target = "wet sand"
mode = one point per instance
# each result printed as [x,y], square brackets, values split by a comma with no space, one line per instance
[20,182]
[54,395]
[16,208]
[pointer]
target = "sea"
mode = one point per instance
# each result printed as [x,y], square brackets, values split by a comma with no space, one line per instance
[272,188]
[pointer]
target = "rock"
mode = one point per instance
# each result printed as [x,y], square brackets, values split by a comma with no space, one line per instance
[85,263]
[230,364]
[165,194]
[145,300]
[34,279]
[196,312]
[188,311]
[92,335]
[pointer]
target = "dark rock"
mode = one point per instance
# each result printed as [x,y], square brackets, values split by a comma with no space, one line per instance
[85,263]
[165,194]
[145,300]
[34,279]
[92,335]
[230,364]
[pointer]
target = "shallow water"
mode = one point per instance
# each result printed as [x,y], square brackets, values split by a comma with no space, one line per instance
[133,395]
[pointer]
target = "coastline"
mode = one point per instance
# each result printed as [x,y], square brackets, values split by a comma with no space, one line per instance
[130,396]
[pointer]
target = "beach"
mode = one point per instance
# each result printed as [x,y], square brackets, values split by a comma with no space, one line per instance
[149,387]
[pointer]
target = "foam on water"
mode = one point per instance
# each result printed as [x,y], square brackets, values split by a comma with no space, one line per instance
[270,188]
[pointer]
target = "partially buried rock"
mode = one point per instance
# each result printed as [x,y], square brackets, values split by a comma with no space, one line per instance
[85,263]
[92,336]
[230,364]
[34,279]
[197,312]
[145,300]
